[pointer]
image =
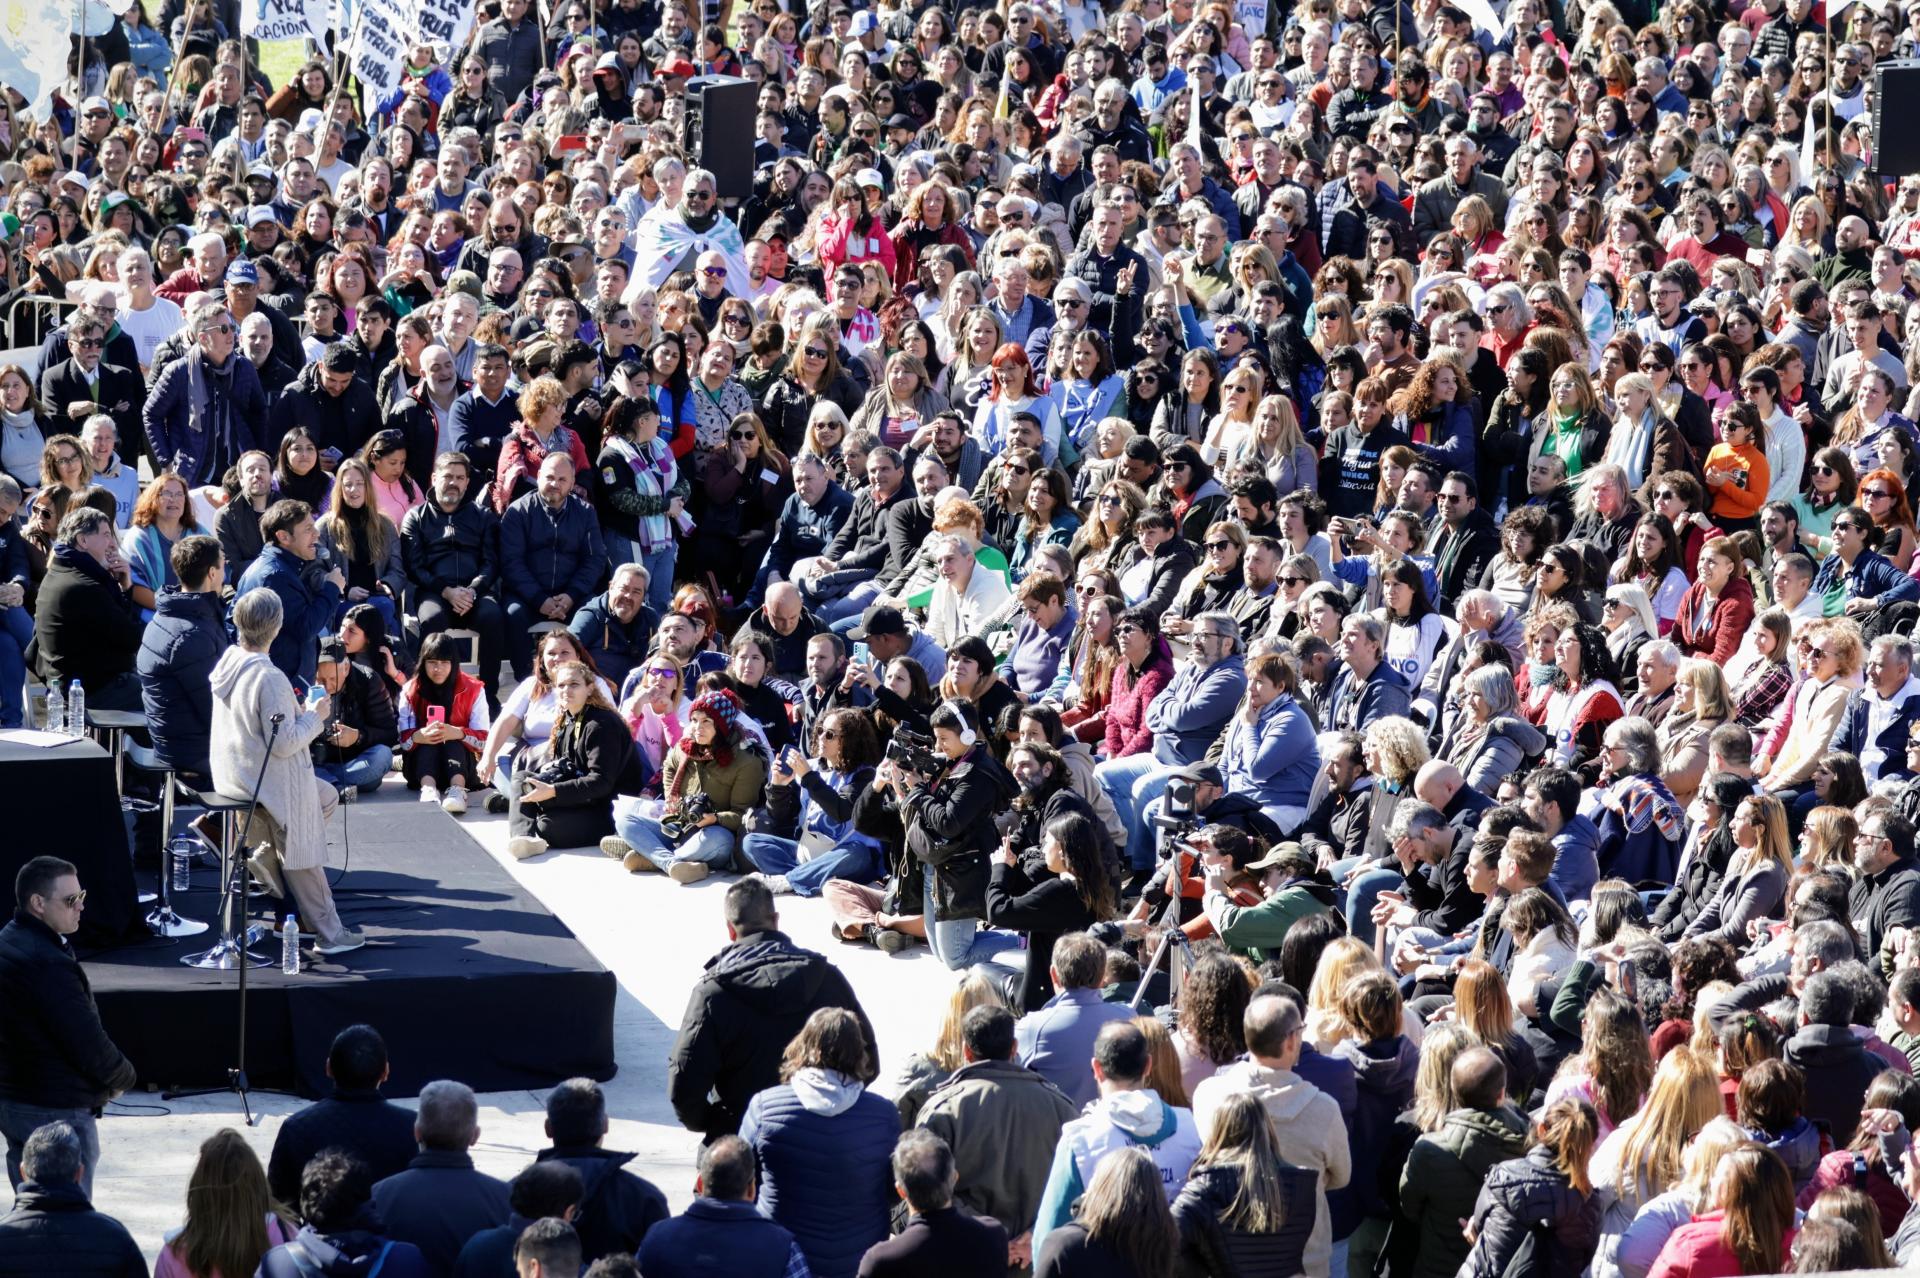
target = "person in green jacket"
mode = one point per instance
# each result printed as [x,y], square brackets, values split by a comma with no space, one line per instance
[1287,875]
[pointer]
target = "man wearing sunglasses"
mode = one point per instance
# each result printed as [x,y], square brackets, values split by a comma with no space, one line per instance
[84,384]
[57,1064]
[674,236]
[207,407]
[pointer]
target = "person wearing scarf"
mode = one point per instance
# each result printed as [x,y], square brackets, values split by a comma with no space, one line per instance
[639,493]
[1641,824]
[712,762]
[1196,497]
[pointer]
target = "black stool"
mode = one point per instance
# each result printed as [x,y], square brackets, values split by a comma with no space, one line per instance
[231,949]
[161,920]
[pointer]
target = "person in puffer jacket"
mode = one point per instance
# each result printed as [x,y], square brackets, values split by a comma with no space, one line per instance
[1384,1064]
[1244,1210]
[1128,1114]
[178,651]
[341,1238]
[1543,1201]
[1446,1168]
[825,1144]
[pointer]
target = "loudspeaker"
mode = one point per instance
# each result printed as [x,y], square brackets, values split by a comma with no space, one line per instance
[720,112]
[1896,97]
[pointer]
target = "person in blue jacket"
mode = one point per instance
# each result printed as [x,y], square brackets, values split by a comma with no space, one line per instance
[721,1231]
[1271,755]
[825,1144]
[16,618]
[551,557]
[825,800]
[1854,578]
[309,590]
[178,650]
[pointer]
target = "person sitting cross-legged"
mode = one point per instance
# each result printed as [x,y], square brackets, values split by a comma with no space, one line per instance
[562,795]
[355,750]
[711,778]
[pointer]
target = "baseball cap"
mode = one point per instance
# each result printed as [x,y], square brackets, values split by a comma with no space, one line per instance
[901,120]
[260,215]
[680,67]
[465,282]
[243,272]
[79,179]
[863,22]
[879,619]
[1278,853]
[1200,773]
[870,177]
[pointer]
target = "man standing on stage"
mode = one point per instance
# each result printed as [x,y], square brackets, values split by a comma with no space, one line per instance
[57,1064]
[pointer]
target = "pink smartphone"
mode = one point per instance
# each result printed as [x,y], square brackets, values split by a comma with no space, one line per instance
[436,714]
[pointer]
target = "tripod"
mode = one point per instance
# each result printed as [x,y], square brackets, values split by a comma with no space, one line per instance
[232,951]
[1170,932]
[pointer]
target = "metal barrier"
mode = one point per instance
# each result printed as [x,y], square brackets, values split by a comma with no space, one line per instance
[50,307]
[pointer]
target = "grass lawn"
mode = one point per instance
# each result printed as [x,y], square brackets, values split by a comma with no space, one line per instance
[281,58]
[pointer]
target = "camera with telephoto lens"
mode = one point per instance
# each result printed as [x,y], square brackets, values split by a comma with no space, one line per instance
[913,752]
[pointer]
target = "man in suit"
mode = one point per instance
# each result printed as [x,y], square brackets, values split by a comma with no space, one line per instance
[84,384]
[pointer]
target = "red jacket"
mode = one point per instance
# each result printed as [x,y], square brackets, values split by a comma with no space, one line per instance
[1717,635]
[906,254]
[466,691]
[1837,1170]
[1127,702]
[1695,1251]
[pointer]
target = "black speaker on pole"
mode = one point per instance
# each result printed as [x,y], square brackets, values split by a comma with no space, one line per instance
[720,112]
[1896,97]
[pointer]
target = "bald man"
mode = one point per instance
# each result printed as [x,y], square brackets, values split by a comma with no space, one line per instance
[551,557]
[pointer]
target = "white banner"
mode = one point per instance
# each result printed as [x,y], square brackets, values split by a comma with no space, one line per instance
[447,22]
[1252,16]
[33,50]
[284,19]
[384,30]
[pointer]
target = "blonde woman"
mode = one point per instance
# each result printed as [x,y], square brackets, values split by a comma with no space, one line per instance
[1333,324]
[1276,448]
[1340,962]
[1701,703]
[1641,1159]
[1233,424]
[1833,657]
[1756,878]
[925,1071]
[1640,1244]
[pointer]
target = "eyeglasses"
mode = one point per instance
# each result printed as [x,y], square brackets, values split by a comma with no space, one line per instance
[815,352]
[1221,544]
[1876,494]
[1128,628]
[1848,528]
[89,344]
[741,434]
[1171,466]
[1292,581]
[1499,308]
[74,900]
[1821,468]
[218,328]
[1015,469]
[1818,653]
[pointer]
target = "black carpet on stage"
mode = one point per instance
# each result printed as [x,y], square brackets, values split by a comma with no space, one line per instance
[465,974]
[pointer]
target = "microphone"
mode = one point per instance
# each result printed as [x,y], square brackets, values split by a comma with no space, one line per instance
[277,719]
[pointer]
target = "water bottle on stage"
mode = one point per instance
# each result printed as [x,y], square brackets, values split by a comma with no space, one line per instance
[290,946]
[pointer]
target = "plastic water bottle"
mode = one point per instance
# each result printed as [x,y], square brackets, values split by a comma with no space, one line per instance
[76,710]
[290,946]
[180,860]
[56,709]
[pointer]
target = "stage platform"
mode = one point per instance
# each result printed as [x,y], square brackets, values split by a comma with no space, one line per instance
[465,973]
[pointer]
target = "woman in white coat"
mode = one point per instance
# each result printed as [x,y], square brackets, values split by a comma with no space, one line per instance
[248,692]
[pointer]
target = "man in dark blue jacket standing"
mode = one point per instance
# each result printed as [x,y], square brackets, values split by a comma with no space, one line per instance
[309,590]
[551,557]
[440,1201]
[722,1232]
[177,654]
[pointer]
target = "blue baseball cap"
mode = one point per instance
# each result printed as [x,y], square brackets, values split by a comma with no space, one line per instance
[243,272]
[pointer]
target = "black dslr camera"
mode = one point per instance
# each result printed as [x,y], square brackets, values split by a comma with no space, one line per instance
[913,752]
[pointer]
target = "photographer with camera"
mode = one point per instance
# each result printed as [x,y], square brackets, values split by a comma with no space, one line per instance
[713,779]
[563,796]
[947,802]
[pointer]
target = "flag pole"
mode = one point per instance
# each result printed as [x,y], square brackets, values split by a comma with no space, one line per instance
[179,52]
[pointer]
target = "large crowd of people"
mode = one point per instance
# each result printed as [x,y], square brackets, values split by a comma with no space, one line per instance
[1348,566]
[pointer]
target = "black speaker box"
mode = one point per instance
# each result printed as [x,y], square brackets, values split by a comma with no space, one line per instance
[720,112]
[1896,97]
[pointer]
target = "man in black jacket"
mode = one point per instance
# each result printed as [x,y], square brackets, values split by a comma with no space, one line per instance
[53,1227]
[86,625]
[57,1064]
[178,651]
[755,996]
[337,408]
[84,384]
[1336,829]
[448,548]
[1886,896]
[1465,541]
[355,750]
[616,1207]
[377,1133]
[859,550]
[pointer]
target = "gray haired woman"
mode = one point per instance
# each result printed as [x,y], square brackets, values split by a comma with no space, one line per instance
[1490,740]
[256,718]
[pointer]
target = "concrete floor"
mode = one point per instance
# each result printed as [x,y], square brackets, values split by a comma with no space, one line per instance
[653,934]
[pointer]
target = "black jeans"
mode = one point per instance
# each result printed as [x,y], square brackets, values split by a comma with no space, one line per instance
[438,761]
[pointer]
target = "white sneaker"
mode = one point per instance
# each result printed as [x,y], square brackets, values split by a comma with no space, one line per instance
[429,792]
[455,804]
[524,847]
[778,885]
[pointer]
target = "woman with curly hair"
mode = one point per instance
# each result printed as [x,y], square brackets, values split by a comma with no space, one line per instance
[1431,410]
[1213,1005]
[1525,535]
[538,432]
[1585,697]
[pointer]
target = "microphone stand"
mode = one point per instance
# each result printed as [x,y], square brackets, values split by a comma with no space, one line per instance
[236,886]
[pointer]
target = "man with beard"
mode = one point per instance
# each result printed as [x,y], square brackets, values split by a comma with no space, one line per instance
[207,408]
[425,416]
[448,547]
[504,274]
[504,230]
[1113,123]
[238,523]
[671,238]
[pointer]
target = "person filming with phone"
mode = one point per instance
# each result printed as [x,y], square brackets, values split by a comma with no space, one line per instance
[443,724]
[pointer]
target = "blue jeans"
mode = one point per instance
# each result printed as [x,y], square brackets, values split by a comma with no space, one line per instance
[850,860]
[16,632]
[387,614]
[1363,893]
[19,1120]
[1132,783]
[951,942]
[714,845]
[365,771]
